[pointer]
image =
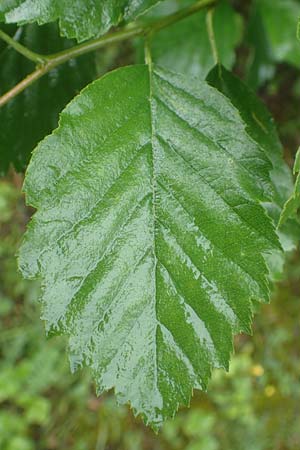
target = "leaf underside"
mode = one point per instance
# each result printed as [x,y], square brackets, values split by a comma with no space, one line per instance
[149,235]
[79,19]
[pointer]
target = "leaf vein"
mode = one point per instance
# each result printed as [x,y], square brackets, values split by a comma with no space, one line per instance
[196,171]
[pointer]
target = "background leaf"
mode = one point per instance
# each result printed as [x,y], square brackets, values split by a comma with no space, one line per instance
[27,118]
[293,203]
[261,128]
[260,65]
[149,236]
[80,19]
[184,47]
[7,5]
[280,19]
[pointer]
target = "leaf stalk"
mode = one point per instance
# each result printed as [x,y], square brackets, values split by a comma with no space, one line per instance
[211,35]
[29,54]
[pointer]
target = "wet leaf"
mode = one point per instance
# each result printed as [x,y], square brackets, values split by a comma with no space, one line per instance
[80,19]
[149,236]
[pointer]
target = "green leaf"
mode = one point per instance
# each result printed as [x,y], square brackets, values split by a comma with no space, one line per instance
[260,64]
[27,118]
[293,203]
[80,19]
[149,236]
[184,47]
[280,19]
[261,128]
[7,5]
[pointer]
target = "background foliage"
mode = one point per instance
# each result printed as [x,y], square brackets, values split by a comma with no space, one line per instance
[256,405]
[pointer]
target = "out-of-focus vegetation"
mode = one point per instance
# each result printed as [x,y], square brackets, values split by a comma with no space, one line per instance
[43,406]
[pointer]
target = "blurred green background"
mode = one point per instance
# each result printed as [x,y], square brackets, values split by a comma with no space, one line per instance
[254,407]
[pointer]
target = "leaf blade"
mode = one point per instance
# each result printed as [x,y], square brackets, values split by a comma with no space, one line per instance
[184,47]
[261,128]
[139,227]
[82,19]
[280,20]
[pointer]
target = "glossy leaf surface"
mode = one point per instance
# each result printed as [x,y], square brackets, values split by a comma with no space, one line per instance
[80,19]
[149,236]
[29,117]
[261,128]
[293,203]
[184,47]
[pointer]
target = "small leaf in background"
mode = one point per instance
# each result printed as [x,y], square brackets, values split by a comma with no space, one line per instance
[280,19]
[260,65]
[80,19]
[261,128]
[184,47]
[27,118]
[149,234]
[293,203]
